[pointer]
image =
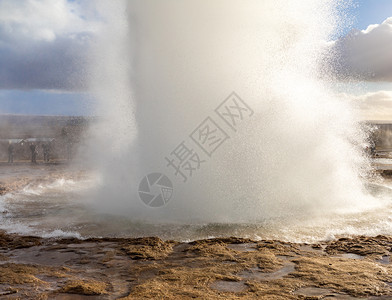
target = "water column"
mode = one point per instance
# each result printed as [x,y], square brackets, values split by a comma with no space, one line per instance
[163,68]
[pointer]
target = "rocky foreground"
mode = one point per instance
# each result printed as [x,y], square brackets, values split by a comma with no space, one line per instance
[229,268]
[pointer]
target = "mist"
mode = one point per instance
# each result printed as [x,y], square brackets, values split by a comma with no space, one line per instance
[160,69]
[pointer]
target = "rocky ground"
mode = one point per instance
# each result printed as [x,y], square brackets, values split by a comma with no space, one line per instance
[230,268]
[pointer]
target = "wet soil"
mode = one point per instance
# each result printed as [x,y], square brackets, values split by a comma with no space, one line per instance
[229,268]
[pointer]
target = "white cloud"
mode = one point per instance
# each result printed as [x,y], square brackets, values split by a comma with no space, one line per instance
[44,43]
[43,19]
[372,106]
[365,55]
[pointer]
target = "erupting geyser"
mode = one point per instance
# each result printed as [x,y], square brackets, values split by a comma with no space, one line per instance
[162,67]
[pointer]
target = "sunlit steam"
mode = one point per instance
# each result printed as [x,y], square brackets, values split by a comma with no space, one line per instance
[162,67]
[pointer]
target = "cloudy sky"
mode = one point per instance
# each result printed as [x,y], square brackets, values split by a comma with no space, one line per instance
[52,38]
[43,55]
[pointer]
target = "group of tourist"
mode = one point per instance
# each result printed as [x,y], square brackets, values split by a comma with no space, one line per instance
[33,149]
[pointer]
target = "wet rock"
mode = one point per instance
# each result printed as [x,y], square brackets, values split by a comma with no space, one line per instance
[228,286]
[150,268]
[84,287]
[229,240]
[3,190]
[148,248]
[18,274]
[354,277]
[13,241]
[379,245]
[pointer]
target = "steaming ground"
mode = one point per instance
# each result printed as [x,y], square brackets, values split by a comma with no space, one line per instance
[62,207]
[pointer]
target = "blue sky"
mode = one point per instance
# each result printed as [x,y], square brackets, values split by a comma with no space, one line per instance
[38,102]
[371,12]
[54,43]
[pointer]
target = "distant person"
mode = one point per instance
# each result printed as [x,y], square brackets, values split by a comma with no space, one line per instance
[69,150]
[33,149]
[11,149]
[67,140]
[372,150]
[46,150]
